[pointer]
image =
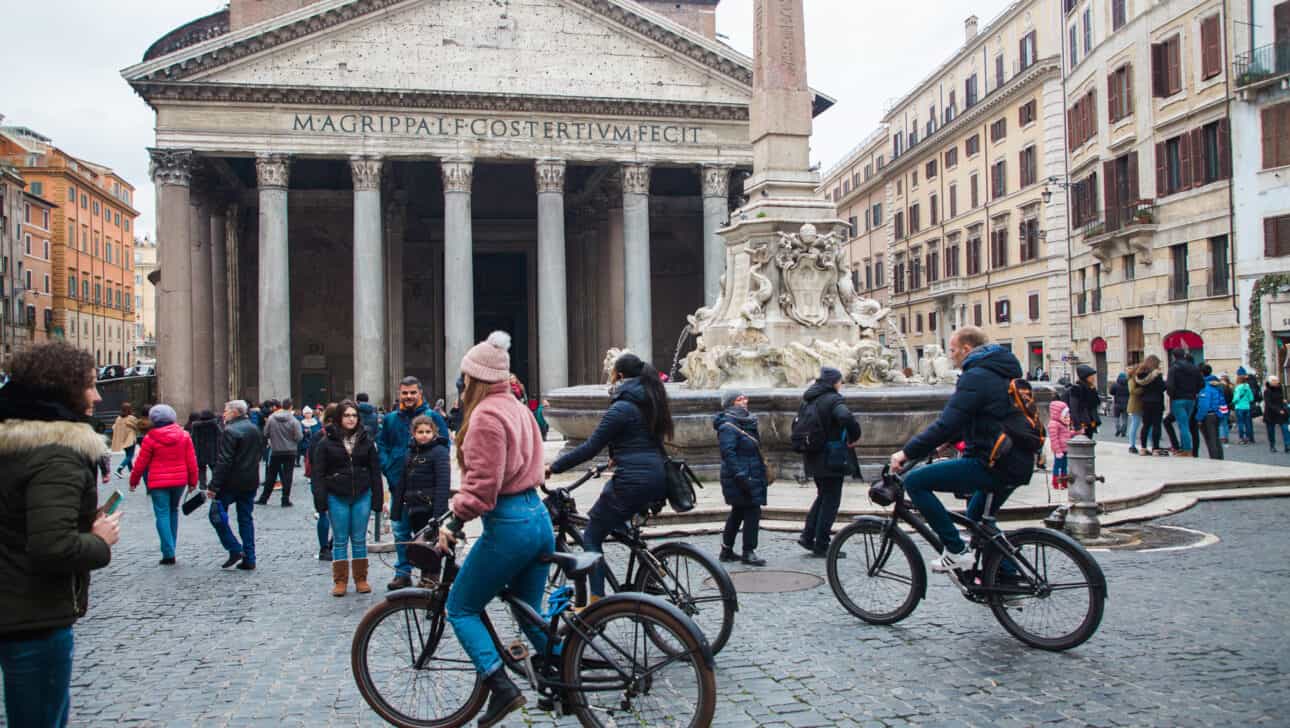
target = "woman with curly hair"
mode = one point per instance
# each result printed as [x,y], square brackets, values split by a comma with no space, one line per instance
[51,533]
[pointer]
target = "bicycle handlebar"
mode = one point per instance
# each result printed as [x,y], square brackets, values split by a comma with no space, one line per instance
[591,473]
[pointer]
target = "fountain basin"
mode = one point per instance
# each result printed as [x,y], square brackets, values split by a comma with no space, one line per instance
[889,416]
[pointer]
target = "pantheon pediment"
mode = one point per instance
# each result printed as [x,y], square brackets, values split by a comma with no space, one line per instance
[608,50]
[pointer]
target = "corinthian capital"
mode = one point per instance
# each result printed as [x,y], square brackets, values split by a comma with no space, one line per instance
[636,178]
[272,171]
[170,166]
[366,172]
[458,174]
[550,175]
[716,180]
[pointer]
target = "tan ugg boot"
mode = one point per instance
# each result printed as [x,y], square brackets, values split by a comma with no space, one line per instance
[339,577]
[360,577]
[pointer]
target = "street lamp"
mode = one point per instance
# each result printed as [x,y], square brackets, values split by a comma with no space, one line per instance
[1050,183]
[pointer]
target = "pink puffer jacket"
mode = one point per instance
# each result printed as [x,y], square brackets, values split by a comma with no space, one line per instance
[1059,429]
[502,451]
[168,457]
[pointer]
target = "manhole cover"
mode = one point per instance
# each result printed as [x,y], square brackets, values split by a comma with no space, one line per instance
[759,581]
[1147,537]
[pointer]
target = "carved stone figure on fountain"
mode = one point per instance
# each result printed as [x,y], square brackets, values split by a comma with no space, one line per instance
[760,290]
[935,367]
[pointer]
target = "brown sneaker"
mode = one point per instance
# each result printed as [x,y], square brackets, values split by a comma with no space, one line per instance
[339,577]
[360,576]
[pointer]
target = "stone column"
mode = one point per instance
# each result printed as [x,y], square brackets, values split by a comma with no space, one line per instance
[272,172]
[716,195]
[458,268]
[553,312]
[369,286]
[219,306]
[394,226]
[636,283]
[203,313]
[171,171]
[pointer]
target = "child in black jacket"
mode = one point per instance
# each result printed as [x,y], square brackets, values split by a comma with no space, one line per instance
[426,485]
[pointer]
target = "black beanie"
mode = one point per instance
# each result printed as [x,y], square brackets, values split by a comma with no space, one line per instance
[829,376]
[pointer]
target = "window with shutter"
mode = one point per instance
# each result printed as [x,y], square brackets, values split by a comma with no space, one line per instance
[976,314]
[1033,304]
[1179,162]
[1198,158]
[954,201]
[974,192]
[1002,314]
[1173,58]
[1159,72]
[932,212]
[1162,170]
[1276,135]
[1112,96]
[1119,16]
[1110,197]
[1276,236]
[1211,47]
[1223,143]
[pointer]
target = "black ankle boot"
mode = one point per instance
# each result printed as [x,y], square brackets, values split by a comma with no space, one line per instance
[752,559]
[503,698]
[728,554]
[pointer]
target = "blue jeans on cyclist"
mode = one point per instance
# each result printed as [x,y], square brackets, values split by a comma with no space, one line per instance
[516,534]
[964,476]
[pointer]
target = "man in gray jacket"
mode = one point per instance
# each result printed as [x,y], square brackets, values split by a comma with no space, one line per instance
[284,433]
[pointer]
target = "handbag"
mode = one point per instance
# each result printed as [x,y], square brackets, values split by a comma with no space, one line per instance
[194,501]
[680,481]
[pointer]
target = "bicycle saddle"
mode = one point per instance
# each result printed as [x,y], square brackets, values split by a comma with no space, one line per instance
[573,565]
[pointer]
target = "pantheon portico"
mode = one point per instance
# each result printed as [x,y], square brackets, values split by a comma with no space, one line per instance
[352,190]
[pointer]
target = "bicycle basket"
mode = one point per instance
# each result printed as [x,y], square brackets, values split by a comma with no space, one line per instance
[888,490]
[425,557]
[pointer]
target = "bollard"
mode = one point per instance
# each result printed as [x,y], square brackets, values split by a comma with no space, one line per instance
[1081,518]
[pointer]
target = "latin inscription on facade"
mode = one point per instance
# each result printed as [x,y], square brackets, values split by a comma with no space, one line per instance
[493,128]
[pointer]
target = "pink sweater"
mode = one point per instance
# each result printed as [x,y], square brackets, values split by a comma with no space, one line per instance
[1059,432]
[502,452]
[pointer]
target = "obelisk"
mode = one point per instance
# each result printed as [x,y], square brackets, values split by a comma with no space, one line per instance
[780,114]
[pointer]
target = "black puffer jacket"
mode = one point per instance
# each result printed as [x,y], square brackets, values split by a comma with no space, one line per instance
[344,474]
[1274,406]
[837,419]
[638,457]
[1185,380]
[976,412]
[48,500]
[206,439]
[238,466]
[427,474]
[743,474]
[1151,388]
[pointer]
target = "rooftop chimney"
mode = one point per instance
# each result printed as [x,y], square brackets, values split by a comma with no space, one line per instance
[969,28]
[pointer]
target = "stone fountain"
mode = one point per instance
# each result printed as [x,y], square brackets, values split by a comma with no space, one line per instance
[787,304]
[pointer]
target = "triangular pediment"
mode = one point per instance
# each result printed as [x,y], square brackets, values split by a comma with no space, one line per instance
[542,48]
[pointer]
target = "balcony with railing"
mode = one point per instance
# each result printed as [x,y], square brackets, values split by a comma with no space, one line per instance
[1128,229]
[947,287]
[1262,65]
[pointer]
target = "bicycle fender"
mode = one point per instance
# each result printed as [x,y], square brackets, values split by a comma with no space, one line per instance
[725,584]
[411,592]
[681,617]
[1099,580]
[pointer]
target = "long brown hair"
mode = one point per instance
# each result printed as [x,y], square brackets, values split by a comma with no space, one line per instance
[339,416]
[474,393]
[1148,365]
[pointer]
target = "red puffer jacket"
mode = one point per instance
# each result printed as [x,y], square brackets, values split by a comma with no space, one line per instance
[168,457]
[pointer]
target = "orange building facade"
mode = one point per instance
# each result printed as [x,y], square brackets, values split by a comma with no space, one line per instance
[92,245]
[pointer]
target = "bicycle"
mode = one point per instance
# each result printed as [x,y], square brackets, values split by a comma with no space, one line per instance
[676,571]
[877,573]
[629,659]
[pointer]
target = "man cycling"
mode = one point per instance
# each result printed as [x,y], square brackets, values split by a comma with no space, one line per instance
[975,414]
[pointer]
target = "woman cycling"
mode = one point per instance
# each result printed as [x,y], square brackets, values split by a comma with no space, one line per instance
[638,421]
[499,452]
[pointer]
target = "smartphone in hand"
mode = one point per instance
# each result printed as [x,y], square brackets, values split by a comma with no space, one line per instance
[111,505]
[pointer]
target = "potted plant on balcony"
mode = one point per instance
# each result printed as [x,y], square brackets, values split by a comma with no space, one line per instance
[1144,215]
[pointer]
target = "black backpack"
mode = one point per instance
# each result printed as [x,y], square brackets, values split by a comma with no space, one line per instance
[1021,428]
[809,433]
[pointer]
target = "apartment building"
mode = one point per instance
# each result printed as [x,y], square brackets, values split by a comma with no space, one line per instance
[855,186]
[974,234]
[145,300]
[93,240]
[37,299]
[13,328]
[1259,33]
[1148,140]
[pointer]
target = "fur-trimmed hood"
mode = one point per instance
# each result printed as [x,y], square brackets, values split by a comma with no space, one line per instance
[18,437]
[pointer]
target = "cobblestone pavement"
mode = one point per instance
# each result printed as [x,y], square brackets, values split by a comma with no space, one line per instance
[1258,453]
[1187,640]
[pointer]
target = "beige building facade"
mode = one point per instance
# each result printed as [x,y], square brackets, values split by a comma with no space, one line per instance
[972,233]
[145,301]
[1148,139]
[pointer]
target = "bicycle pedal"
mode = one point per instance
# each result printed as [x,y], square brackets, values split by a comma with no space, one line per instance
[546,705]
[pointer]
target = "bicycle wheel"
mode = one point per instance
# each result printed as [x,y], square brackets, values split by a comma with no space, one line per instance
[621,677]
[697,585]
[443,693]
[881,577]
[1064,608]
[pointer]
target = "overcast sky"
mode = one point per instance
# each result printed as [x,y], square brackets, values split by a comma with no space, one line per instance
[63,65]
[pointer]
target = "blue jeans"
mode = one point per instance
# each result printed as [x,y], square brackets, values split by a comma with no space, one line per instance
[1184,411]
[38,679]
[1245,425]
[165,509]
[349,525]
[1135,422]
[964,476]
[127,463]
[1059,466]
[402,528]
[824,511]
[245,503]
[516,534]
[1225,426]
[324,528]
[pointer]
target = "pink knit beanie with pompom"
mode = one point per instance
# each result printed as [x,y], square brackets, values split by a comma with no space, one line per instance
[490,359]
